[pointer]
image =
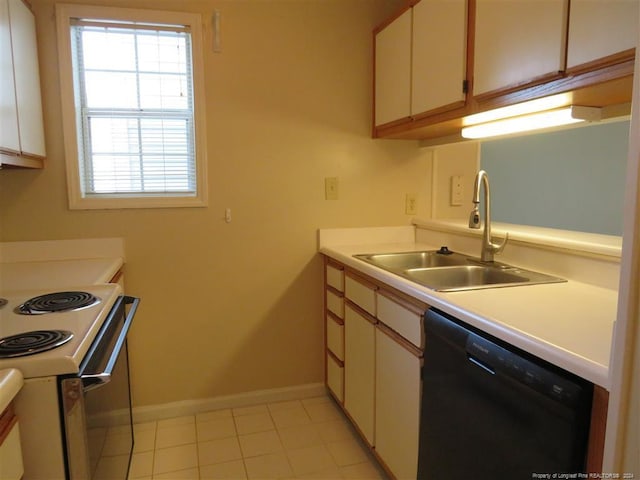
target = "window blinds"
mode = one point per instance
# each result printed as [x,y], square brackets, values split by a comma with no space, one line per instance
[134,107]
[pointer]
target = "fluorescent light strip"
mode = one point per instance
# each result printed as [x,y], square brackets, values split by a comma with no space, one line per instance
[525,108]
[535,121]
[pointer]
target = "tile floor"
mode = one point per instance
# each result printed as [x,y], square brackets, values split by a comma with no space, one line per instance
[300,439]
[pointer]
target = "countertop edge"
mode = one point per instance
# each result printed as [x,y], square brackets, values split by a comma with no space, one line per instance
[11,382]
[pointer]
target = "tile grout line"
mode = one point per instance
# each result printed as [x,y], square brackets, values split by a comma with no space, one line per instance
[272,417]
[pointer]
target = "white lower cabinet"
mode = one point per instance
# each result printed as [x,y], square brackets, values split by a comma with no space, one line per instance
[397,404]
[335,377]
[374,360]
[359,370]
[11,465]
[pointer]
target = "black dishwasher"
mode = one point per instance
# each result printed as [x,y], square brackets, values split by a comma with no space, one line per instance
[492,411]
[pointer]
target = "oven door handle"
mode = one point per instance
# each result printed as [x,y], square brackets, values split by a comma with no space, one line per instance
[96,380]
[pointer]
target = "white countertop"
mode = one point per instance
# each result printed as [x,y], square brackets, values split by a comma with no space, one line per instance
[11,382]
[568,324]
[57,273]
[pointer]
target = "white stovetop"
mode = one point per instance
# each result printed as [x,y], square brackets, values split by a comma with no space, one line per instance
[29,269]
[83,323]
[568,324]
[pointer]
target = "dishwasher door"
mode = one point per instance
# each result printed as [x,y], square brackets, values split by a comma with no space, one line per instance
[490,411]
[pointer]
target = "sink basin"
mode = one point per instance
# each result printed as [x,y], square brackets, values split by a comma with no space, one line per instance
[452,272]
[463,277]
[411,260]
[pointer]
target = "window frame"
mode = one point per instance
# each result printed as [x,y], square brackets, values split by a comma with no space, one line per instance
[77,201]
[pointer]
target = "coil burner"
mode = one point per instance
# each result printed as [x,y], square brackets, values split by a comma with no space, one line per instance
[57,302]
[28,343]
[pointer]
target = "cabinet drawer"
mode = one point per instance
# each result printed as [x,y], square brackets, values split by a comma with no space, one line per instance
[335,377]
[335,277]
[360,292]
[335,336]
[404,318]
[335,303]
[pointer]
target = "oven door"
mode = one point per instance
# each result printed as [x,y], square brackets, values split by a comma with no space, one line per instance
[97,403]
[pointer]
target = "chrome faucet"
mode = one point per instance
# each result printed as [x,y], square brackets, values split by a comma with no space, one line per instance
[488,248]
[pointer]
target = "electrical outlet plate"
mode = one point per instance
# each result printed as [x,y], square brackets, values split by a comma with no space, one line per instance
[411,203]
[331,188]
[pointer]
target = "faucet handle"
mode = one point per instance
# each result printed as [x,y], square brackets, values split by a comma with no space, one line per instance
[499,247]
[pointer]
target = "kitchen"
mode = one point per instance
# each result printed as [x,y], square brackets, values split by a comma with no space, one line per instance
[287,105]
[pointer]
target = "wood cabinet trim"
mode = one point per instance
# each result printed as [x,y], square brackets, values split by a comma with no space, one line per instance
[333,357]
[117,276]
[7,420]
[360,311]
[604,62]
[409,303]
[435,111]
[507,89]
[605,80]
[597,430]
[15,160]
[333,290]
[400,340]
[360,279]
[378,285]
[398,13]
[334,264]
[335,318]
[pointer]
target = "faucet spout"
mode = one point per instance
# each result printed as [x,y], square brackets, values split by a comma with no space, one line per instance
[488,247]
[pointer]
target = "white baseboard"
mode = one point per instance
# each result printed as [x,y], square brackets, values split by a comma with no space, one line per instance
[191,407]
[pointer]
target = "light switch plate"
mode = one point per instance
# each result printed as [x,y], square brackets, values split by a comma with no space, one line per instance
[331,188]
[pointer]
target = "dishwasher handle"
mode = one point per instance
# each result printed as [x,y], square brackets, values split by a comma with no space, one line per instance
[479,363]
[92,381]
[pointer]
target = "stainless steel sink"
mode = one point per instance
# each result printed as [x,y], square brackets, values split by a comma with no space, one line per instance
[450,272]
[409,260]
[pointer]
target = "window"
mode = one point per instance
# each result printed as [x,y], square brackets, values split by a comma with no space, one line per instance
[130,87]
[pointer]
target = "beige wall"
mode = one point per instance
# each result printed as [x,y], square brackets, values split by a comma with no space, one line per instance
[230,308]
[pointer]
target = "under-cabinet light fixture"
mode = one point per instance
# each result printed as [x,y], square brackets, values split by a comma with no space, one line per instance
[532,121]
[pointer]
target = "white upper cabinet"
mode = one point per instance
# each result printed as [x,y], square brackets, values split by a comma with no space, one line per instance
[27,75]
[19,64]
[439,54]
[9,136]
[420,60]
[393,70]
[599,28]
[518,42]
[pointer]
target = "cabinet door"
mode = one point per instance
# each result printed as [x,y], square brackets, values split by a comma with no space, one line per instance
[393,70]
[359,370]
[9,137]
[439,54]
[27,78]
[11,467]
[599,28]
[518,42]
[397,413]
